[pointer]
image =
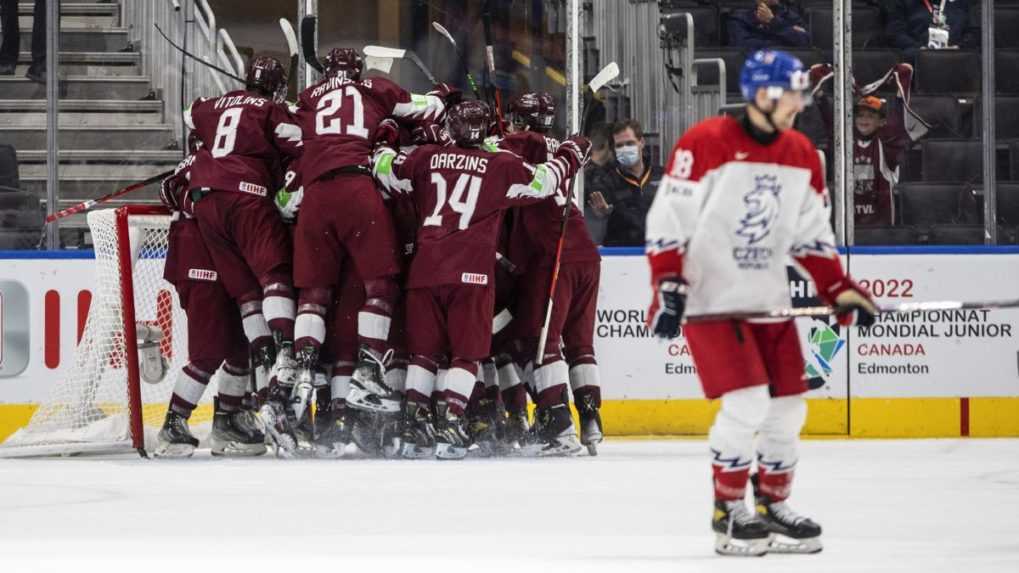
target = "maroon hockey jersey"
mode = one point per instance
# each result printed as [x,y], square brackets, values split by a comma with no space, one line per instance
[245,135]
[460,195]
[338,117]
[535,233]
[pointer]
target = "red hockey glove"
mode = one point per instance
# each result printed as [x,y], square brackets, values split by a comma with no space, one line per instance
[387,134]
[449,95]
[575,149]
[169,190]
[853,305]
[666,312]
[430,132]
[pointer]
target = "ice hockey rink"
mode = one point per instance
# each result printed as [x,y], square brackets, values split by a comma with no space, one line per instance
[642,505]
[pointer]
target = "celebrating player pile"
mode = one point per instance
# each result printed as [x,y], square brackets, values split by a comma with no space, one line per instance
[307,279]
[740,197]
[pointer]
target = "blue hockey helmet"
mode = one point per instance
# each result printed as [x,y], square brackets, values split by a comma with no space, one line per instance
[774,70]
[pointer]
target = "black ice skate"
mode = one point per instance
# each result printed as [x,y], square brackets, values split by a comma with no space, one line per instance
[792,533]
[332,430]
[737,531]
[233,434]
[418,434]
[175,439]
[452,439]
[278,426]
[368,390]
[484,429]
[552,434]
[590,424]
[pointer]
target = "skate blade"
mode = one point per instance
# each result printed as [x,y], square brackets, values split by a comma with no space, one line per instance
[726,545]
[450,452]
[231,449]
[332,451]
[592,449]
[174,451]
[559,447]
[788,545]
[362,400]
[415,452]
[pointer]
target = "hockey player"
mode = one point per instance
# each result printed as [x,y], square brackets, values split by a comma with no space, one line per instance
[216,338]
[343,218]
[739,197]
[248,134]
[534,239]
[462,191]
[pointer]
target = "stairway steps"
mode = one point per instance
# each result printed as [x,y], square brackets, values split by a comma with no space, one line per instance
[74,191]
[93,137]
[78,87]
[84,40]
[165,157]
[32,112]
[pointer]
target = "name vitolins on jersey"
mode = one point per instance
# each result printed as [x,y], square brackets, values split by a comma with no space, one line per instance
[763,204]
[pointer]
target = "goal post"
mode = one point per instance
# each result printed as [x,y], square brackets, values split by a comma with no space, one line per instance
[114,395]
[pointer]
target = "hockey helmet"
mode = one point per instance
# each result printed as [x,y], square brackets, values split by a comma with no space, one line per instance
[774,70]
[344,61]
[534,110]
[468,122]
[267,77]
[194,142]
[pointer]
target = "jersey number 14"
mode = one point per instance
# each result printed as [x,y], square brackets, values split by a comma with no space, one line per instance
[468,184]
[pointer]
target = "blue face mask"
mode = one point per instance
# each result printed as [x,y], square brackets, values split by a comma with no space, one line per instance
[628,155]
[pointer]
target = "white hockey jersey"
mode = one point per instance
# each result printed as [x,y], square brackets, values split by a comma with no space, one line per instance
[729,213]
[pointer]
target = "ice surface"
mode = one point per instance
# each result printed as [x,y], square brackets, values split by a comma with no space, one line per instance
[925,505]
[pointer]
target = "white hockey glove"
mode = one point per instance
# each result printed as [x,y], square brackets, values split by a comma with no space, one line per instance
[288,203]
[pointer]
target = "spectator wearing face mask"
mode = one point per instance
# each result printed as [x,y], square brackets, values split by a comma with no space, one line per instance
[623,196]
[769,24]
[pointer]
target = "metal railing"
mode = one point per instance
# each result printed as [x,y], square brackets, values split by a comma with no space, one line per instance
[190,24]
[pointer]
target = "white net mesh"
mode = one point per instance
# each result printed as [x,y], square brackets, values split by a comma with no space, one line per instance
[89,409]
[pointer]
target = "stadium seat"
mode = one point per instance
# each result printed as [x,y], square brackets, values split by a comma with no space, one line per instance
[952,160]
[955,72]
[1008,203]
[9,180]
[948,116]
[867,27]
[1014,153]
[890,236]
[1006,118]
[871,65]
[1006,67]
[734,58]
[1006,22]
[929,203]
[705,23]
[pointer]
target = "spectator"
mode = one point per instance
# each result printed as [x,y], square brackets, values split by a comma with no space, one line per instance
[908,22]
[624,194]
[769,24]
[12,40]
[595,173]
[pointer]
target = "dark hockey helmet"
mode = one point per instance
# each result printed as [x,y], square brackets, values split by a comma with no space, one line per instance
[468,122]
[267,77]
[535,110]
[344,61]
[194,142]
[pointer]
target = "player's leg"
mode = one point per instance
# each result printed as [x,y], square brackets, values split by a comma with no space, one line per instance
[578,341]
[332,423]
[730,367]
[234,430]
[778,441]
[505,335]
[426,342]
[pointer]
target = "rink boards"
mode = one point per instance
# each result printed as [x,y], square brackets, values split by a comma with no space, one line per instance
[944,373]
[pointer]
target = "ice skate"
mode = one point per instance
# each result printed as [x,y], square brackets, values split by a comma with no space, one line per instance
[590,424]
[175,439]
[332,430]
[515,432]
[234,435]
[278,426]
[304,381]
[791,532]
[368,390]
[418,434]
[553,434]
[452,439]
[484,430]
[737,531]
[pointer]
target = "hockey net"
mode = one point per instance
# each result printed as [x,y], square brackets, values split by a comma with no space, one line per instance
[115,395]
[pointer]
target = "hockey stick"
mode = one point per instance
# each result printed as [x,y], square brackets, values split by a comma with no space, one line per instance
[385,53]
[494,93]
[606,75]
[463,63]
[308,25]
[823,311]
[86,205]
[291,36]
[209,65]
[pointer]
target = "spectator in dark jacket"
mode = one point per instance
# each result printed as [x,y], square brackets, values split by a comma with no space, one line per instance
[909,21]
[769,24]
[625,191]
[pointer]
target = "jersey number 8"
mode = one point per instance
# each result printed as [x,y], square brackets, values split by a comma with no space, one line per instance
[468,183]
[226,132]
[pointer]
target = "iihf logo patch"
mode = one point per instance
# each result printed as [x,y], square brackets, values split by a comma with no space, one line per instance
[763,205]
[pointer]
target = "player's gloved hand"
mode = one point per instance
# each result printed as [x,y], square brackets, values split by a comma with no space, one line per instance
[853,305]
[666,311]
[288,203]
[449,95]
[387,134]
[576,149]
[430,132]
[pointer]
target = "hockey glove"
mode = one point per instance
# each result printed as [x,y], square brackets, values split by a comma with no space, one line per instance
[449,95]
[430,132]
[576,149]
[666,312]
[387,134]
[853,305]
[288,203]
